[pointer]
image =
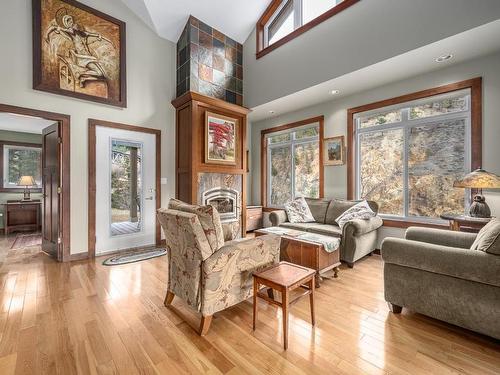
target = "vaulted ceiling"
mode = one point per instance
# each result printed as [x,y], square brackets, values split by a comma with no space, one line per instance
[235,18]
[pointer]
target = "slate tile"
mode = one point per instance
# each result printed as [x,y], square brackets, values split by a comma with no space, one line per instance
[230,54]
[205,73]
[205,40]
[230,97]
[219,62]
[218,35]
[219,48]
[205,56]
[218,78]
[205,28]
[193,34]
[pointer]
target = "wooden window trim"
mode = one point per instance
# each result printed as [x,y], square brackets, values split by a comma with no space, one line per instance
[263,155]
[22,144]
[474,84]
[269,12]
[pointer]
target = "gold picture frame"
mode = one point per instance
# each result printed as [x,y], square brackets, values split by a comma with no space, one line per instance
[334,150]
[221,139]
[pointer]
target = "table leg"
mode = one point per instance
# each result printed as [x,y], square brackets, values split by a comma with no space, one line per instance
[311,302]
[255,291]
[317,279]
[336,272]
[284,308]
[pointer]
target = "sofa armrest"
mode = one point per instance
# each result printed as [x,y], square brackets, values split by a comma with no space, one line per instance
[441,237]
[461,263]
[359,227]
[278,217]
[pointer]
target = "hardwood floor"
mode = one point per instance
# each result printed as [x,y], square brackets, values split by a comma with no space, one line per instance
[85,318]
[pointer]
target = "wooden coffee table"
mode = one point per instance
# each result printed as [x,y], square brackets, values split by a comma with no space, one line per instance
[284,277]
[306,253]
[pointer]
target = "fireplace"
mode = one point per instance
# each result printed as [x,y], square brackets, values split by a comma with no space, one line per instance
[226,201]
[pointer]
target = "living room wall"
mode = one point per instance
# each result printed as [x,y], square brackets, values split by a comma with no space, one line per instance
[151,86]
[335,113]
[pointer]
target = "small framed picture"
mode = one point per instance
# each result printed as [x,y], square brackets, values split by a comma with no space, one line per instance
[334,150]
[221,139]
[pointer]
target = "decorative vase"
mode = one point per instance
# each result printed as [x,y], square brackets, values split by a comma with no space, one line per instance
[479,208]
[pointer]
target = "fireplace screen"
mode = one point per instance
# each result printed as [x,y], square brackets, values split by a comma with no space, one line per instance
[226,201]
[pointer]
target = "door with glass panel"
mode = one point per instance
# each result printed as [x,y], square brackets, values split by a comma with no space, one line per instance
[125,189]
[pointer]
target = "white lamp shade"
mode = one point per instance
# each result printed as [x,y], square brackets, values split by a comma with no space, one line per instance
[26,181]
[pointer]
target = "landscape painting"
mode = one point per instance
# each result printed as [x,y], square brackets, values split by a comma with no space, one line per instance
[220,139]
[79,52]
[334,151]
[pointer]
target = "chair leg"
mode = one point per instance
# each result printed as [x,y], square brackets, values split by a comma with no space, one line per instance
[205,324]
[350,264]
[168,299]
[394,308]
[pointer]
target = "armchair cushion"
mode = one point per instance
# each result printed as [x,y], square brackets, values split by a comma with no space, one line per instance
[441,237]
[362,226]
[450,261]
[227,274]
[209,219]
[488,238]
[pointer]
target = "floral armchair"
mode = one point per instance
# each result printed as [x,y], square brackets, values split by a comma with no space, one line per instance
[208,274]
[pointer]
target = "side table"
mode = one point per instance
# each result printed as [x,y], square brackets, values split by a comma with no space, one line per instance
[467,223]
[284,277]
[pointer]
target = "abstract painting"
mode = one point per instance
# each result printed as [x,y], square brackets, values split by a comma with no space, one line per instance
[220,139]
[79,52]
[334,151]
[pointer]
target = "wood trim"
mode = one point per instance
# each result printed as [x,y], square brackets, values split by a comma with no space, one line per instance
[92,124]
[269,12]
[407,223]
[64,250]
[14,143]
[209,101]
[263,154]
[37,55]
[474,84]
[78,256]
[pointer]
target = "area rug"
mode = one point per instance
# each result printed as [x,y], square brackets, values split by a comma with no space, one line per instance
[134,257]
[27,240]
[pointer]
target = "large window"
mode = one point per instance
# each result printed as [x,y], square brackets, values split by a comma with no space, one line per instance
[20,160]
[292,163]
[286,19]
[408,155]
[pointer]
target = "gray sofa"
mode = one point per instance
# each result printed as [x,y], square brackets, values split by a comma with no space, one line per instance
[358,237]
[433,272]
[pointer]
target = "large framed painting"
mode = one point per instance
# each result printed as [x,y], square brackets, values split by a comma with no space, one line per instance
[334,151]
[78,52]
[221,139]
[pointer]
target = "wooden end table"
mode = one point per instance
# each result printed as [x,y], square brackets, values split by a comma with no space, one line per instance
[284,277]
[466,223]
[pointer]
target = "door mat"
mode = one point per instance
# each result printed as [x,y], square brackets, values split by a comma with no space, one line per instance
[134,257]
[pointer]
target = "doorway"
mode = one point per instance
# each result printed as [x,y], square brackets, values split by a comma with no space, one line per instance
[124,190]
[35,181]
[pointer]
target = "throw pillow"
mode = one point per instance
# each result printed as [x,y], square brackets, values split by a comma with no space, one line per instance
[298,211]
[360,210]
[488,238]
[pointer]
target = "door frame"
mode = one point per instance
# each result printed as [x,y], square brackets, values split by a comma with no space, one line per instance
[92,124]
[64,248]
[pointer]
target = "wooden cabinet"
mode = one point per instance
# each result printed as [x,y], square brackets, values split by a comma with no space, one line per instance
[254,218]
[22,216]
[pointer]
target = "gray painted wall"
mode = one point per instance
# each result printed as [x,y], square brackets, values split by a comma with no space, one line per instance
[151,85]
[366,33]
[335,113]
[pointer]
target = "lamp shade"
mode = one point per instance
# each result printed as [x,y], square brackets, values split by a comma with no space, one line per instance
[26,181]
[479,179]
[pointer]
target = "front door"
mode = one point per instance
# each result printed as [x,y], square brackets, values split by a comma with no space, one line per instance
[50,185]
[125,189]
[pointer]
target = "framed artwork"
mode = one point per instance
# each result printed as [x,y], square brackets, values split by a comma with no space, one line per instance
[78,52]
[334,151]
[221,139]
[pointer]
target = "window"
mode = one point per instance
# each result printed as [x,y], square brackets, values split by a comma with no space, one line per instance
[283,20]
[292,162]
[20,160]
[408,155]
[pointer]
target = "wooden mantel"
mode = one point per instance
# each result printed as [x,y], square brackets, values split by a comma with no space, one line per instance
[190,145]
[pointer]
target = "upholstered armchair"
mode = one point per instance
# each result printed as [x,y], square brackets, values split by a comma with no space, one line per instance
[208,274]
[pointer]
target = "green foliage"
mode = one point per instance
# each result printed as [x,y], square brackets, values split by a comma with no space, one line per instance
[24,162]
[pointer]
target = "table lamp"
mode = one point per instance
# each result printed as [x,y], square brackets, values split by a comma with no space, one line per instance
[479,179]
[27,182]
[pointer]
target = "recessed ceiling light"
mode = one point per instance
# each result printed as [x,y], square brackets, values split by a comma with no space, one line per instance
[444,58]
[335,92]
[271,112]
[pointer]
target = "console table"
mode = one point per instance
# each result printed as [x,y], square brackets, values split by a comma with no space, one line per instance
[22,216]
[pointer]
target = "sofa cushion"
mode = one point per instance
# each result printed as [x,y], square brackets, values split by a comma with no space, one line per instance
[318,208]
[325,229]
[360,210]
[488,238]
[298,211]
[209,219]
[338,206]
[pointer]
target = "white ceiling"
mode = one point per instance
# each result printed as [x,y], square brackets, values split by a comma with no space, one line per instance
[464,46]
[23,124]
[235,18]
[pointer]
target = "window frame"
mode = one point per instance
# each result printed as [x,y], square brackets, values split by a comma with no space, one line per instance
[474,138]
[273,10]
[4,144]
[265,150]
